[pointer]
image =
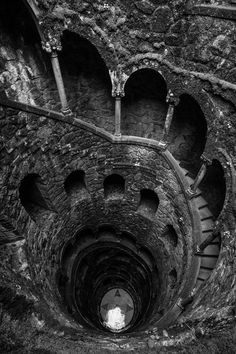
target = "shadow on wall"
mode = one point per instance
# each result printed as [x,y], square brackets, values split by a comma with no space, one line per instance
[87,81]
[144,105]
[25,69]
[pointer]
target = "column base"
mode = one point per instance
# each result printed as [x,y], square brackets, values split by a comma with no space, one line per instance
[163,144]
[66,111]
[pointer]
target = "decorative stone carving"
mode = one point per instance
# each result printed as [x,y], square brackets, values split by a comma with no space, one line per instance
[118,79]
[52,43]
[172,99]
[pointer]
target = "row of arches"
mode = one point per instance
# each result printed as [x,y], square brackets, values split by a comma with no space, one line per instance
[28,77]
[143,107]
[35,199]
[114,189]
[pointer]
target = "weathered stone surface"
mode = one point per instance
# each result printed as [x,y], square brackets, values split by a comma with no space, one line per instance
[232,75]
[221,45]
[161,19]
[24,77]
[196,56]
[145,6]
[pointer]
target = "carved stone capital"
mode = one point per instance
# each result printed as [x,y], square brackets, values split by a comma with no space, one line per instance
[206,160]
[171,98]
[118,91]
[52,43]
[118,80]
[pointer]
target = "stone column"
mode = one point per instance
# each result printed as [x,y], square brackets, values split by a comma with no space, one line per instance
[118,116]
[173,101]
[53,49]
[117,79]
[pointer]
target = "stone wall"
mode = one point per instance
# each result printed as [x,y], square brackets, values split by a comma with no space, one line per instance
[26,74]
[205,44]
[194,53]
[50,149]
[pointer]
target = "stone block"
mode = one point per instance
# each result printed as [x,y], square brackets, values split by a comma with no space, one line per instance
[145,6]
[161,19]
[173,39]
[145,47]
[221,45]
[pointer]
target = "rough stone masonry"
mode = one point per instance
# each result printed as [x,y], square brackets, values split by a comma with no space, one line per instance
[117,175]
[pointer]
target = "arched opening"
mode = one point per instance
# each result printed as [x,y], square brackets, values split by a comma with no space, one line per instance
[33,196]
[75,186]
[149,202]
[26,73]
[172,278]
[87,81]
[144,105]
[170,235]
[188,131]
[114,186]
[213,187]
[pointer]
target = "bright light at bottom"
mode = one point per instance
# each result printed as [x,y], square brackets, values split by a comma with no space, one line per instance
[115,319]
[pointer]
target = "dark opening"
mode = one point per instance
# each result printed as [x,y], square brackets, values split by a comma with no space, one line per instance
[32,194]
[213,187]
[75,186]
[170,235]
[144,105]
[16,17]
[188,132]
[87,81]
[114,186]
[172,277]
[149,202]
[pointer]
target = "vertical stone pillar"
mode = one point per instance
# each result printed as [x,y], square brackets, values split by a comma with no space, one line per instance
[53,49]
[117,78]
[173,101]
[118,116]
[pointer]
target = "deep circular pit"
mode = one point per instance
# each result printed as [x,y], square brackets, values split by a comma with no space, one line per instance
[108,283]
